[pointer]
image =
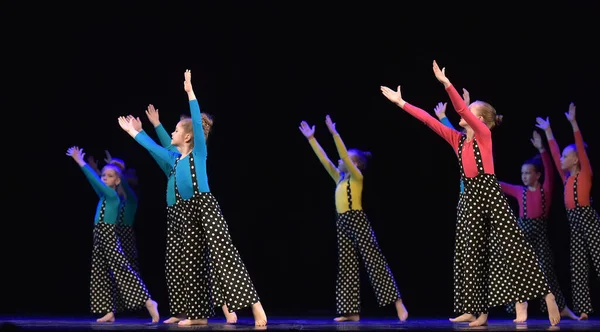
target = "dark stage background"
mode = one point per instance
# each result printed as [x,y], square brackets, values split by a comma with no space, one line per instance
[259,69]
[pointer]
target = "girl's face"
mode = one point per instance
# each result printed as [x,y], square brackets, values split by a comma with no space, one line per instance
[529,175]
[110,177]
[472,109]
[179,136]
[569,158]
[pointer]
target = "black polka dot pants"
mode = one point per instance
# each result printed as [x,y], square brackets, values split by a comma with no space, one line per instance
[585,244]
[112,276]
[494,264]
[535,231]
[128,243]
[186,256]
[356,241]
[231,283]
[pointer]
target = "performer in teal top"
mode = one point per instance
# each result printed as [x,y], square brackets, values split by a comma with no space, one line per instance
[115,285]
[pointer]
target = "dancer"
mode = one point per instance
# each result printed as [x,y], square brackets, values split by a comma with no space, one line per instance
[355,237]
[199,246]
[576,172]
[112,275]
[534,208]
[494,265]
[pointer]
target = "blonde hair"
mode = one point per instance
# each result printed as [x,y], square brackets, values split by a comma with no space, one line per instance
[490,117]
[207,122]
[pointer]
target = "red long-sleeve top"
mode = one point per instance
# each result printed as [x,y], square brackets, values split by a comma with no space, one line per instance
[584,180]
[483,134]
[535,208]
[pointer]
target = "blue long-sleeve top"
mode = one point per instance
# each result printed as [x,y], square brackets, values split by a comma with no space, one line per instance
[448,124]
[165,141]
[182,171]
[130,204]
[107,195]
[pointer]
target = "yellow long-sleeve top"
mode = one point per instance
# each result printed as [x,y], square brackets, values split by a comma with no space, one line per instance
[341,179]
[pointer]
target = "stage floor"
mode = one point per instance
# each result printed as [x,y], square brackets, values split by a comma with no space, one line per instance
[287,324]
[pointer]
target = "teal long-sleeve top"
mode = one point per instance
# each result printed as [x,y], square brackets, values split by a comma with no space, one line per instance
[182,171]
[130,204]
[448,124]
[107,195]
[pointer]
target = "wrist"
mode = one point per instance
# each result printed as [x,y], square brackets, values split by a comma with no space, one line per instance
[447,84]
[156,124]
[541,150]
[401,103]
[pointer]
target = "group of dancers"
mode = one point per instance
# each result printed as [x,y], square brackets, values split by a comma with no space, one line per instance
[499,259]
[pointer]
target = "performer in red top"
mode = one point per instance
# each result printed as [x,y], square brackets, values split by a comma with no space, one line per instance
[494,264]
[576,172]
[534,207]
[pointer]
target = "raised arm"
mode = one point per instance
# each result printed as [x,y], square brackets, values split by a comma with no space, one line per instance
[480,128]
[164,166]
[161,153]
[199,139]
[544,124]
[100,188]
[161,132]
[440,112]
[584,161]
[309,133]
[536,140]
[450,135]
[342,151]
[131,197]
[511,189]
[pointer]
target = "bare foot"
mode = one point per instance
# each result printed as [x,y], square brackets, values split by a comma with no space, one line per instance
[480,321]
[108,318]
[260,318]
[553,313]
[463,318]
[521,309]
[152,307]
[190,322]
[175,319]
[231,317]
[583,316]
[401,309]
[347,318]
[566,312]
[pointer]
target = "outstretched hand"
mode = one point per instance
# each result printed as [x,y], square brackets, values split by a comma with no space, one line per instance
[77,154]
[571,113]
[152,114]
[543,124]
[536,140]
[125,124]
[187,83]
[440,74]
[466,96]
[307,130]
[330,125]
[91,161]
[440,110]
[393,96]
[135,122]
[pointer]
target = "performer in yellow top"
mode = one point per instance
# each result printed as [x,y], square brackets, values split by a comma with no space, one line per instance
[355,237]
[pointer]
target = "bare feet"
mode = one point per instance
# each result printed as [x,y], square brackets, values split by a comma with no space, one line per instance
[521,309]
[108,318]
[480,321]
[553,313]
[231,317]
[401,309]
[260,318]
[566,312]
[463,318]
[347,318]
[175,319]
[152,307]
[583,316]
[190,322]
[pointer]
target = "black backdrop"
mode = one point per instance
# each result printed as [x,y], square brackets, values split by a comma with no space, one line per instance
[260,69]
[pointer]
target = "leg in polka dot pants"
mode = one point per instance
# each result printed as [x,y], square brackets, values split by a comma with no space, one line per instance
[356,241]
[494,264]
[108,260]
[584,224]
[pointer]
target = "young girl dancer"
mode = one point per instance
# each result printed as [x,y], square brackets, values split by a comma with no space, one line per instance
[112,275]
[576,172]
[203,266]
[355,237]
[534,207]
[494,264]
